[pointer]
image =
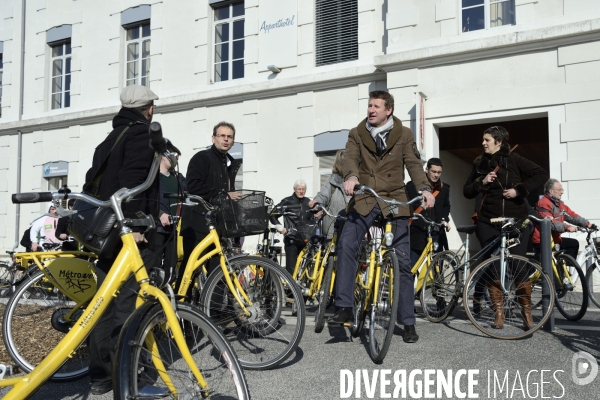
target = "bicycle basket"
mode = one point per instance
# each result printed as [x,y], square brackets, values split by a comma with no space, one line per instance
[307,231]
[245,216]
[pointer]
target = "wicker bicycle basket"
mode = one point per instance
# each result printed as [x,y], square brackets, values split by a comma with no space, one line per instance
[247,215]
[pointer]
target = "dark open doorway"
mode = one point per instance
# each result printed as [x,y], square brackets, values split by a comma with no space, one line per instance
[460,145]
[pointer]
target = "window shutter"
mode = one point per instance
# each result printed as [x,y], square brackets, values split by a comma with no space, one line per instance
[336,31]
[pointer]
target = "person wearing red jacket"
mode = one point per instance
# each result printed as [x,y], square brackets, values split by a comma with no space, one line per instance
[563,218]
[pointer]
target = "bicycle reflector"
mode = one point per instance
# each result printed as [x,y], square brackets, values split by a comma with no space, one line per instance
[389,238]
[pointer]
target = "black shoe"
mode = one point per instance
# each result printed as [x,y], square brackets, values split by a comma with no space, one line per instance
[341,316]
[99,388]
[410,334]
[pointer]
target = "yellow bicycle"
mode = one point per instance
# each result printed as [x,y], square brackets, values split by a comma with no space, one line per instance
[50,297]
[165,349]
[250,298]
[314,271]
[377,285]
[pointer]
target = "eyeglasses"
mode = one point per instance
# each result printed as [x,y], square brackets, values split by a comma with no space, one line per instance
[300,190]
[559,190]
[221,136]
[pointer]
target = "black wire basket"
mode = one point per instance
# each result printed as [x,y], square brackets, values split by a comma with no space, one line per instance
[247,215]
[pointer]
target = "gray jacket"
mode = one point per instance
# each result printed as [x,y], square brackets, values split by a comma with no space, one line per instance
[332,196]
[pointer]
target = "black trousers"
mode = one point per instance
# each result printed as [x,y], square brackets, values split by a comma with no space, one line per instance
[103,338]
[291,255]
[166,251]
[348,247]
[486,233]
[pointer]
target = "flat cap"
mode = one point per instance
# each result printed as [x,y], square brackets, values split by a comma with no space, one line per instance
[134,96]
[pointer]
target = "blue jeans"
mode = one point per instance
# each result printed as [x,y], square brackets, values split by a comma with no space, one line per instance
[348,247]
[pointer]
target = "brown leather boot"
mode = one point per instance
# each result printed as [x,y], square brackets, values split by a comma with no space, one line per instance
[524,298]
[498,302]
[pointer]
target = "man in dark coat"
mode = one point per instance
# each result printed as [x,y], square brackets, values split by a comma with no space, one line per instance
[377,151]
[210,172]
[129,162]
[297,204]
[440,212]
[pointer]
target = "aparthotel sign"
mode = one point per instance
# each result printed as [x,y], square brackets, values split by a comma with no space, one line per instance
[278,33]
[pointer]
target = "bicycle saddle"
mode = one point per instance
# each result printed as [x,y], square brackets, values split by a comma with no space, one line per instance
[468,229]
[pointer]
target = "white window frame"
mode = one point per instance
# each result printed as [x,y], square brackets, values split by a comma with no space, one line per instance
[65,58]
[139,78]
[1,69]
[230,60]
[486,14]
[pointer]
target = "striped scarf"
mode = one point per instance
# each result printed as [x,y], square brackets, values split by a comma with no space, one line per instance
[380,134]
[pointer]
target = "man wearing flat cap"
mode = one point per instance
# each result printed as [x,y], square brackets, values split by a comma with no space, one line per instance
[129,161]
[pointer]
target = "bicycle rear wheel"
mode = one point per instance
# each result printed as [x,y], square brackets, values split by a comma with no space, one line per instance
[270,334]
[211,353]
[6,279]
[592,278]
[360,294]
[442,287]
[324,295]
[520,298]
[34,324]
[384,308]
[571,288]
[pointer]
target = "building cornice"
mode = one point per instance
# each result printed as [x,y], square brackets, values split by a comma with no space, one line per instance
[455,50]
[211,96]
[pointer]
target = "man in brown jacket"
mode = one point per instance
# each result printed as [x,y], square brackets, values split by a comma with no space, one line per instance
[377,152]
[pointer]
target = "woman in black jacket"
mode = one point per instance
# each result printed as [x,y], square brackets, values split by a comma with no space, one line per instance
[504,194]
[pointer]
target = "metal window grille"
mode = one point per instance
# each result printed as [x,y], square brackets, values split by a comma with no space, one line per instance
[336,31]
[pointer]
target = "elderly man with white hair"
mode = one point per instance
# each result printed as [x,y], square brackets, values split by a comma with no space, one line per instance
[297,204]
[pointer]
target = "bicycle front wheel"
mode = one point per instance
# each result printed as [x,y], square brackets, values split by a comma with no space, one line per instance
[384,308]
[324,295]
[442,287]
[6,279]
[35,322]
[155,357]
[519,301]
[592,278]
[270,333]
[571,288]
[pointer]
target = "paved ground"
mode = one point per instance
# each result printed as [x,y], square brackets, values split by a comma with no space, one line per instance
[314,371]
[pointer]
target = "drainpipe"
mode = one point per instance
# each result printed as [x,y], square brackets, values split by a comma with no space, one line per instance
[18,216]
[19,133]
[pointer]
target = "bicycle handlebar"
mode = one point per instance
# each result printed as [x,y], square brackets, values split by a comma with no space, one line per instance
[429,221]
[319,207]
[392,202]
[31,197]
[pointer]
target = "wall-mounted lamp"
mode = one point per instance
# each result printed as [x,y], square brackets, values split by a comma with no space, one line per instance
[274,69]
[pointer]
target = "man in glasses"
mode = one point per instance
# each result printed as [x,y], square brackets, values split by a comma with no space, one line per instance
[562,217]
[210,172]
